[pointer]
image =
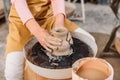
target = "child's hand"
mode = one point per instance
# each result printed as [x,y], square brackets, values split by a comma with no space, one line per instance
[45,39]
[69,38]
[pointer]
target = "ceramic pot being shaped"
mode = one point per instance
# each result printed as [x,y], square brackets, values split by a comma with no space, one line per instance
[64,49]
[60,73]
[92,69]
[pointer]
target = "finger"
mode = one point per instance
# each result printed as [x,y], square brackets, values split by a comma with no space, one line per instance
[51,37]
[43,43]
[69,38]
[54,41]
[71,41]
[48,49]
[51,46]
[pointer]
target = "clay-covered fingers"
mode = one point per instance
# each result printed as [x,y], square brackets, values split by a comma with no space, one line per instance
[69,38]
[43,43]
[52,47]
[47,48]
[46,40]
[50,43]
[54,41]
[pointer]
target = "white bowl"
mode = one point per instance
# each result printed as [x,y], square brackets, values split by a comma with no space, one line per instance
[60,73]
[92,67]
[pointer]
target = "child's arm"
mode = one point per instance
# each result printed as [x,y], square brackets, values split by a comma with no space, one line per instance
[28,20]
[25,14]
[22,10]
[58,7]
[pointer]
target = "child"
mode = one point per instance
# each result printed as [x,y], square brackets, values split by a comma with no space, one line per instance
[30,18]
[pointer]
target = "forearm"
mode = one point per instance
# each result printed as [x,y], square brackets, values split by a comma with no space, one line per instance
[58,7]
[22,10]
[59,20]
[33,26]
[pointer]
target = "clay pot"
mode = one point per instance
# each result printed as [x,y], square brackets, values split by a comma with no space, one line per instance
[92,69]
[64,48]
[60,73]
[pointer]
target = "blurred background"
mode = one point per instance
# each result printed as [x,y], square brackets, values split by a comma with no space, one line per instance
[95,16]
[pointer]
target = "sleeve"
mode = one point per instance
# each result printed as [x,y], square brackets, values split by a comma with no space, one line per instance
[22,10]
[58,6]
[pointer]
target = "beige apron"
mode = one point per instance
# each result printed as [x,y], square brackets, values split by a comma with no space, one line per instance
[19,34]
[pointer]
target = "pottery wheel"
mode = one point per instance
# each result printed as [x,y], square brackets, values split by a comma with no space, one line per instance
[37,56]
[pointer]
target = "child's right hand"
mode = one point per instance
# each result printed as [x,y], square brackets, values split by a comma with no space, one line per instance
[45,39]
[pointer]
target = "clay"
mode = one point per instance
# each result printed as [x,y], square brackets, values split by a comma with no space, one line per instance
[64,49]
[37,55]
